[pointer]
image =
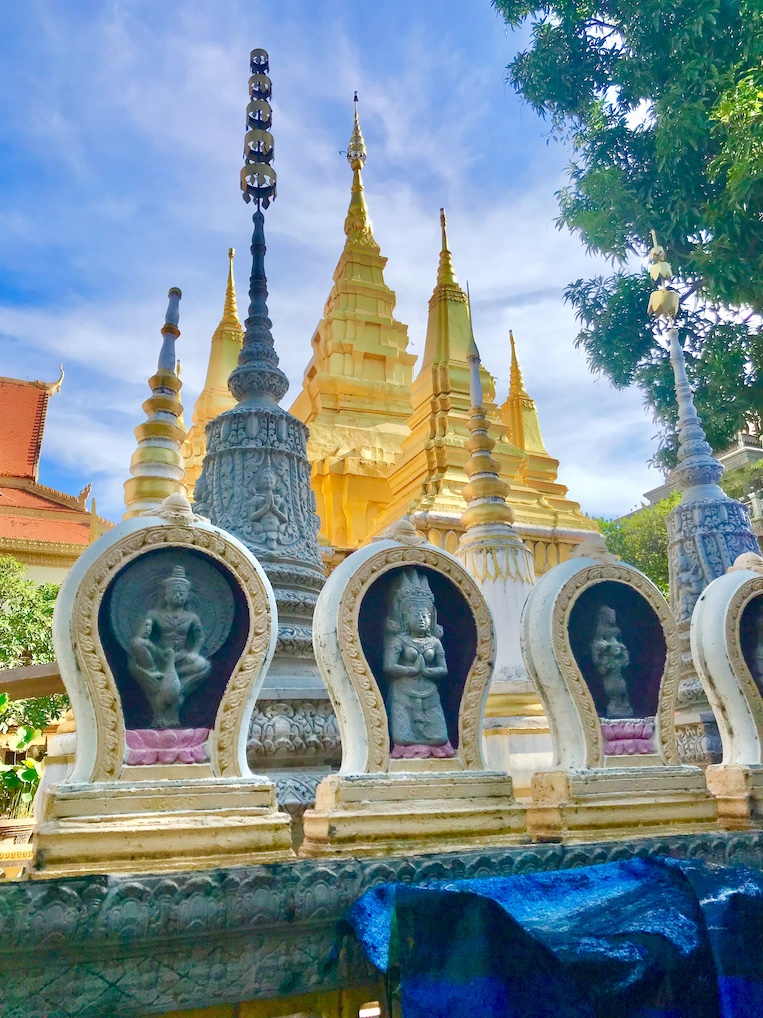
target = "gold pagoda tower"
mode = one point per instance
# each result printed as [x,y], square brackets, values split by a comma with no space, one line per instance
[215,397]
[355,395]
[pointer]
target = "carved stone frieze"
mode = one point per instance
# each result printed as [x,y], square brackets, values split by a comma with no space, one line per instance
[704,539]
[283,730]
[125,946]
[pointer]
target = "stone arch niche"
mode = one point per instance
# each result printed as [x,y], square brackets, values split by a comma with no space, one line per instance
[559,627]
[601,646]
[163,630]
[727,648]
[399,790]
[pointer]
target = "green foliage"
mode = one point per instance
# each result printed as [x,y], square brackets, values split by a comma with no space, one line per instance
[744,480]
[18,784]
[26,616]
[663,104]
[641,539]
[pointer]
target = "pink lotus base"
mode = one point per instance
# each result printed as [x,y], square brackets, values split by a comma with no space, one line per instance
[628,737]
[166,746]
[421,752]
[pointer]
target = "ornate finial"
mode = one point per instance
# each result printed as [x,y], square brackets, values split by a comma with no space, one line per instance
[663,302]
[258,178]
[230,308]
[473,357]
[170,332]
[402,531]
[594,547]
[356,150]
[177,509]
[445,274]
[696,464]
[747,561]
[516,382]
[156,465]
[357,225]
[258,375]
[52,387]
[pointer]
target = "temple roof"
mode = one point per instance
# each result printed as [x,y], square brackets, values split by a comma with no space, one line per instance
[33,517]
[23,406]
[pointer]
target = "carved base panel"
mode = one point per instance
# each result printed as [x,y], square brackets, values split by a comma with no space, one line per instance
[598,805]
[404,814]
[739,793]
[127,827]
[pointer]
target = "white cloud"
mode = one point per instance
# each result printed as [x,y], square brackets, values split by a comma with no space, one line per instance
[149,142]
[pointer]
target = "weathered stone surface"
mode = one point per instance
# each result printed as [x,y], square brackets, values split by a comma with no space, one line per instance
[128,946]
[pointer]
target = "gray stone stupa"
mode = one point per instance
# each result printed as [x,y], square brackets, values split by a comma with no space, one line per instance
[255,483]
[707,531]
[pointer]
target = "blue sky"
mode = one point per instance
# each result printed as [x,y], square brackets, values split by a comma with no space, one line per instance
[121,132]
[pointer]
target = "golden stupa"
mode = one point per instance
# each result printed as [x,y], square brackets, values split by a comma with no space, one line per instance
[215,397]
[383,444]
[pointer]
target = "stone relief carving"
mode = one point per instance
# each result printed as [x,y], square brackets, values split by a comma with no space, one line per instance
[578,686]
[96,670]
[371,702]
[705,538]
[131,944]
[288,728]
[164,657]
[268,517]
[256,482]
[414,664]
[610,658]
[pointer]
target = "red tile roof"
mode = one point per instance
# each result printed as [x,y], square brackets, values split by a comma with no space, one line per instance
[22,419]
[20,498]
[35,528]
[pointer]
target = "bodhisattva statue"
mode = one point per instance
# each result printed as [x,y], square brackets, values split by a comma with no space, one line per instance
[610,658]
[165,656]
[414,662]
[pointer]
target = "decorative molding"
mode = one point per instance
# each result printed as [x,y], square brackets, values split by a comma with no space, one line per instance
[741,598]
[97,673]
[126,945]
[371,702]
[587,577]
[285,729]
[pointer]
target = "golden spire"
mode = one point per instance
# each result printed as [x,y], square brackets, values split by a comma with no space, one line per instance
[485,492]
[445,274]
[516,383]
[230,310]
[156,465]
[357,225]
[215,397]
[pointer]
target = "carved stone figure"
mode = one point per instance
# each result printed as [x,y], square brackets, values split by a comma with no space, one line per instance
[165,656]
[610,657]
[414,662]
[268,518]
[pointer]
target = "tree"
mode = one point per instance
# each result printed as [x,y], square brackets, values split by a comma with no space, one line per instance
[641,539]
[26,637]
[662,103]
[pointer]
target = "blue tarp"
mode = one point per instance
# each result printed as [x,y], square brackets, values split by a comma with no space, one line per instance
[643,938]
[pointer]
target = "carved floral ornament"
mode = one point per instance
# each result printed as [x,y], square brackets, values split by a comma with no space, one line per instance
[581,581]
[97,674]
[469,754]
